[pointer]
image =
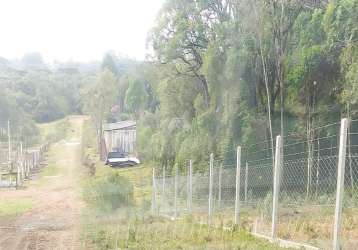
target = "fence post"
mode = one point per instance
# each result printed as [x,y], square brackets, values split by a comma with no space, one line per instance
[163,181]
[237,185]
[220,183]
[246,180]
[210,211]
[176,192]
[17,173]
[276,185]
[22,162]
[154,205]
[340,183]
[190,187]
[163,197]
[9,143]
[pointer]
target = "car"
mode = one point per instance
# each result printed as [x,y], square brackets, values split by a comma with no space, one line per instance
[119,159]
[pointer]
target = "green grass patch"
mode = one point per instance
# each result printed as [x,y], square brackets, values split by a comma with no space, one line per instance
[147,232]
[108,192]
[15,207]
[50,170]
[54,131]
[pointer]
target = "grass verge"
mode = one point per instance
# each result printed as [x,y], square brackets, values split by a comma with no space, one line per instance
[15,207]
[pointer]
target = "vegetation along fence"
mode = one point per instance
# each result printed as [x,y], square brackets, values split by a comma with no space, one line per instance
[301,189]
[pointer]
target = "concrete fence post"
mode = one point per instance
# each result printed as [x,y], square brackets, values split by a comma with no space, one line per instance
[237,185]
[220,184]
[246,179]
[18,181]
[154,191]
[211,168]
[176,192]
[276,186]
[163,182]
[340,183]
[22,162]
[190,187]
[163,196]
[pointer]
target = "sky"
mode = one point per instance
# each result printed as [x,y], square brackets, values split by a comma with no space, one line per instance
[76,30]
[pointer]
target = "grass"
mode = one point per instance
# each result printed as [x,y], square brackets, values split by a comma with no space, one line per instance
[15,207]
[149,232]
[54,131]
[134,228]
[52,168]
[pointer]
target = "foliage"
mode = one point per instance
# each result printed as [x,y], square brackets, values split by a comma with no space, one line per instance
[32,93]
[213,58]
[108,192]
[146,232]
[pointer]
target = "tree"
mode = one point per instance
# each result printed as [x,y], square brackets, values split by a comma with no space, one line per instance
[136,97]
[180,37]
[99,99]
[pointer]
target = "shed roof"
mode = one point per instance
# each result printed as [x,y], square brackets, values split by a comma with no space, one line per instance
[118,125]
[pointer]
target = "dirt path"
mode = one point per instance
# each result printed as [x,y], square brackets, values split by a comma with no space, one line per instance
[52,222]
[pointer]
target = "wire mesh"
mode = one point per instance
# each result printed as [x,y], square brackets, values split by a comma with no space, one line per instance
[307,195]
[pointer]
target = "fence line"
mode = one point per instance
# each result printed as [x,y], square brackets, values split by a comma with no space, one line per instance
[297,196]
[17,163]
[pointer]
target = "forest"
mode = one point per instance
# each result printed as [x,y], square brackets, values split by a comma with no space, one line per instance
[222,73]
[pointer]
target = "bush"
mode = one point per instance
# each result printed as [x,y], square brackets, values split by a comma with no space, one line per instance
[108,192]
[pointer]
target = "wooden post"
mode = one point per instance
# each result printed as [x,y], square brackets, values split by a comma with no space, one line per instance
[276,186]
[210,208]
[220,184]
[190,187]
[237,187]
[340,184]
[246,180]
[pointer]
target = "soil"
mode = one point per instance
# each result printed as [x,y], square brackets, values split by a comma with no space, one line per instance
[53,221]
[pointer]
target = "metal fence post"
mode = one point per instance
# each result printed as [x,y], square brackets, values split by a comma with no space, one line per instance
[154,195]
[190,187]
[340,183]
[176,192]
[276,185]
[220,184]
[246,180]
[210,210]
[237,186]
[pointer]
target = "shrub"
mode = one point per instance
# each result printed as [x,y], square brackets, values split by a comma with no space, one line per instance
[108,192]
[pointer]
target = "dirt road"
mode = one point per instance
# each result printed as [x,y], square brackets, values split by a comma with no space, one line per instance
[53,219]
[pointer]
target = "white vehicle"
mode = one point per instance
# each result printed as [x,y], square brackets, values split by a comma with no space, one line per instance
[118,159]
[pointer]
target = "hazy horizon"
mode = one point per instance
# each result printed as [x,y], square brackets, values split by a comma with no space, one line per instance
[76,31]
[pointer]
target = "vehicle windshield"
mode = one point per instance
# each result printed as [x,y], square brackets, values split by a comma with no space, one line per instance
[116,155]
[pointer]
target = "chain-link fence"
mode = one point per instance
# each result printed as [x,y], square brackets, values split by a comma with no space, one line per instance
[293,197]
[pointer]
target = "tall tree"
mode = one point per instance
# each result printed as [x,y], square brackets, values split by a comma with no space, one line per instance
[99,99]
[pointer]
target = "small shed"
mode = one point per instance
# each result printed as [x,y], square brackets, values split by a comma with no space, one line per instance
[120,137]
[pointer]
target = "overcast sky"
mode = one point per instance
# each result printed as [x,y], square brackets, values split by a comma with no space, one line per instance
[80,30]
